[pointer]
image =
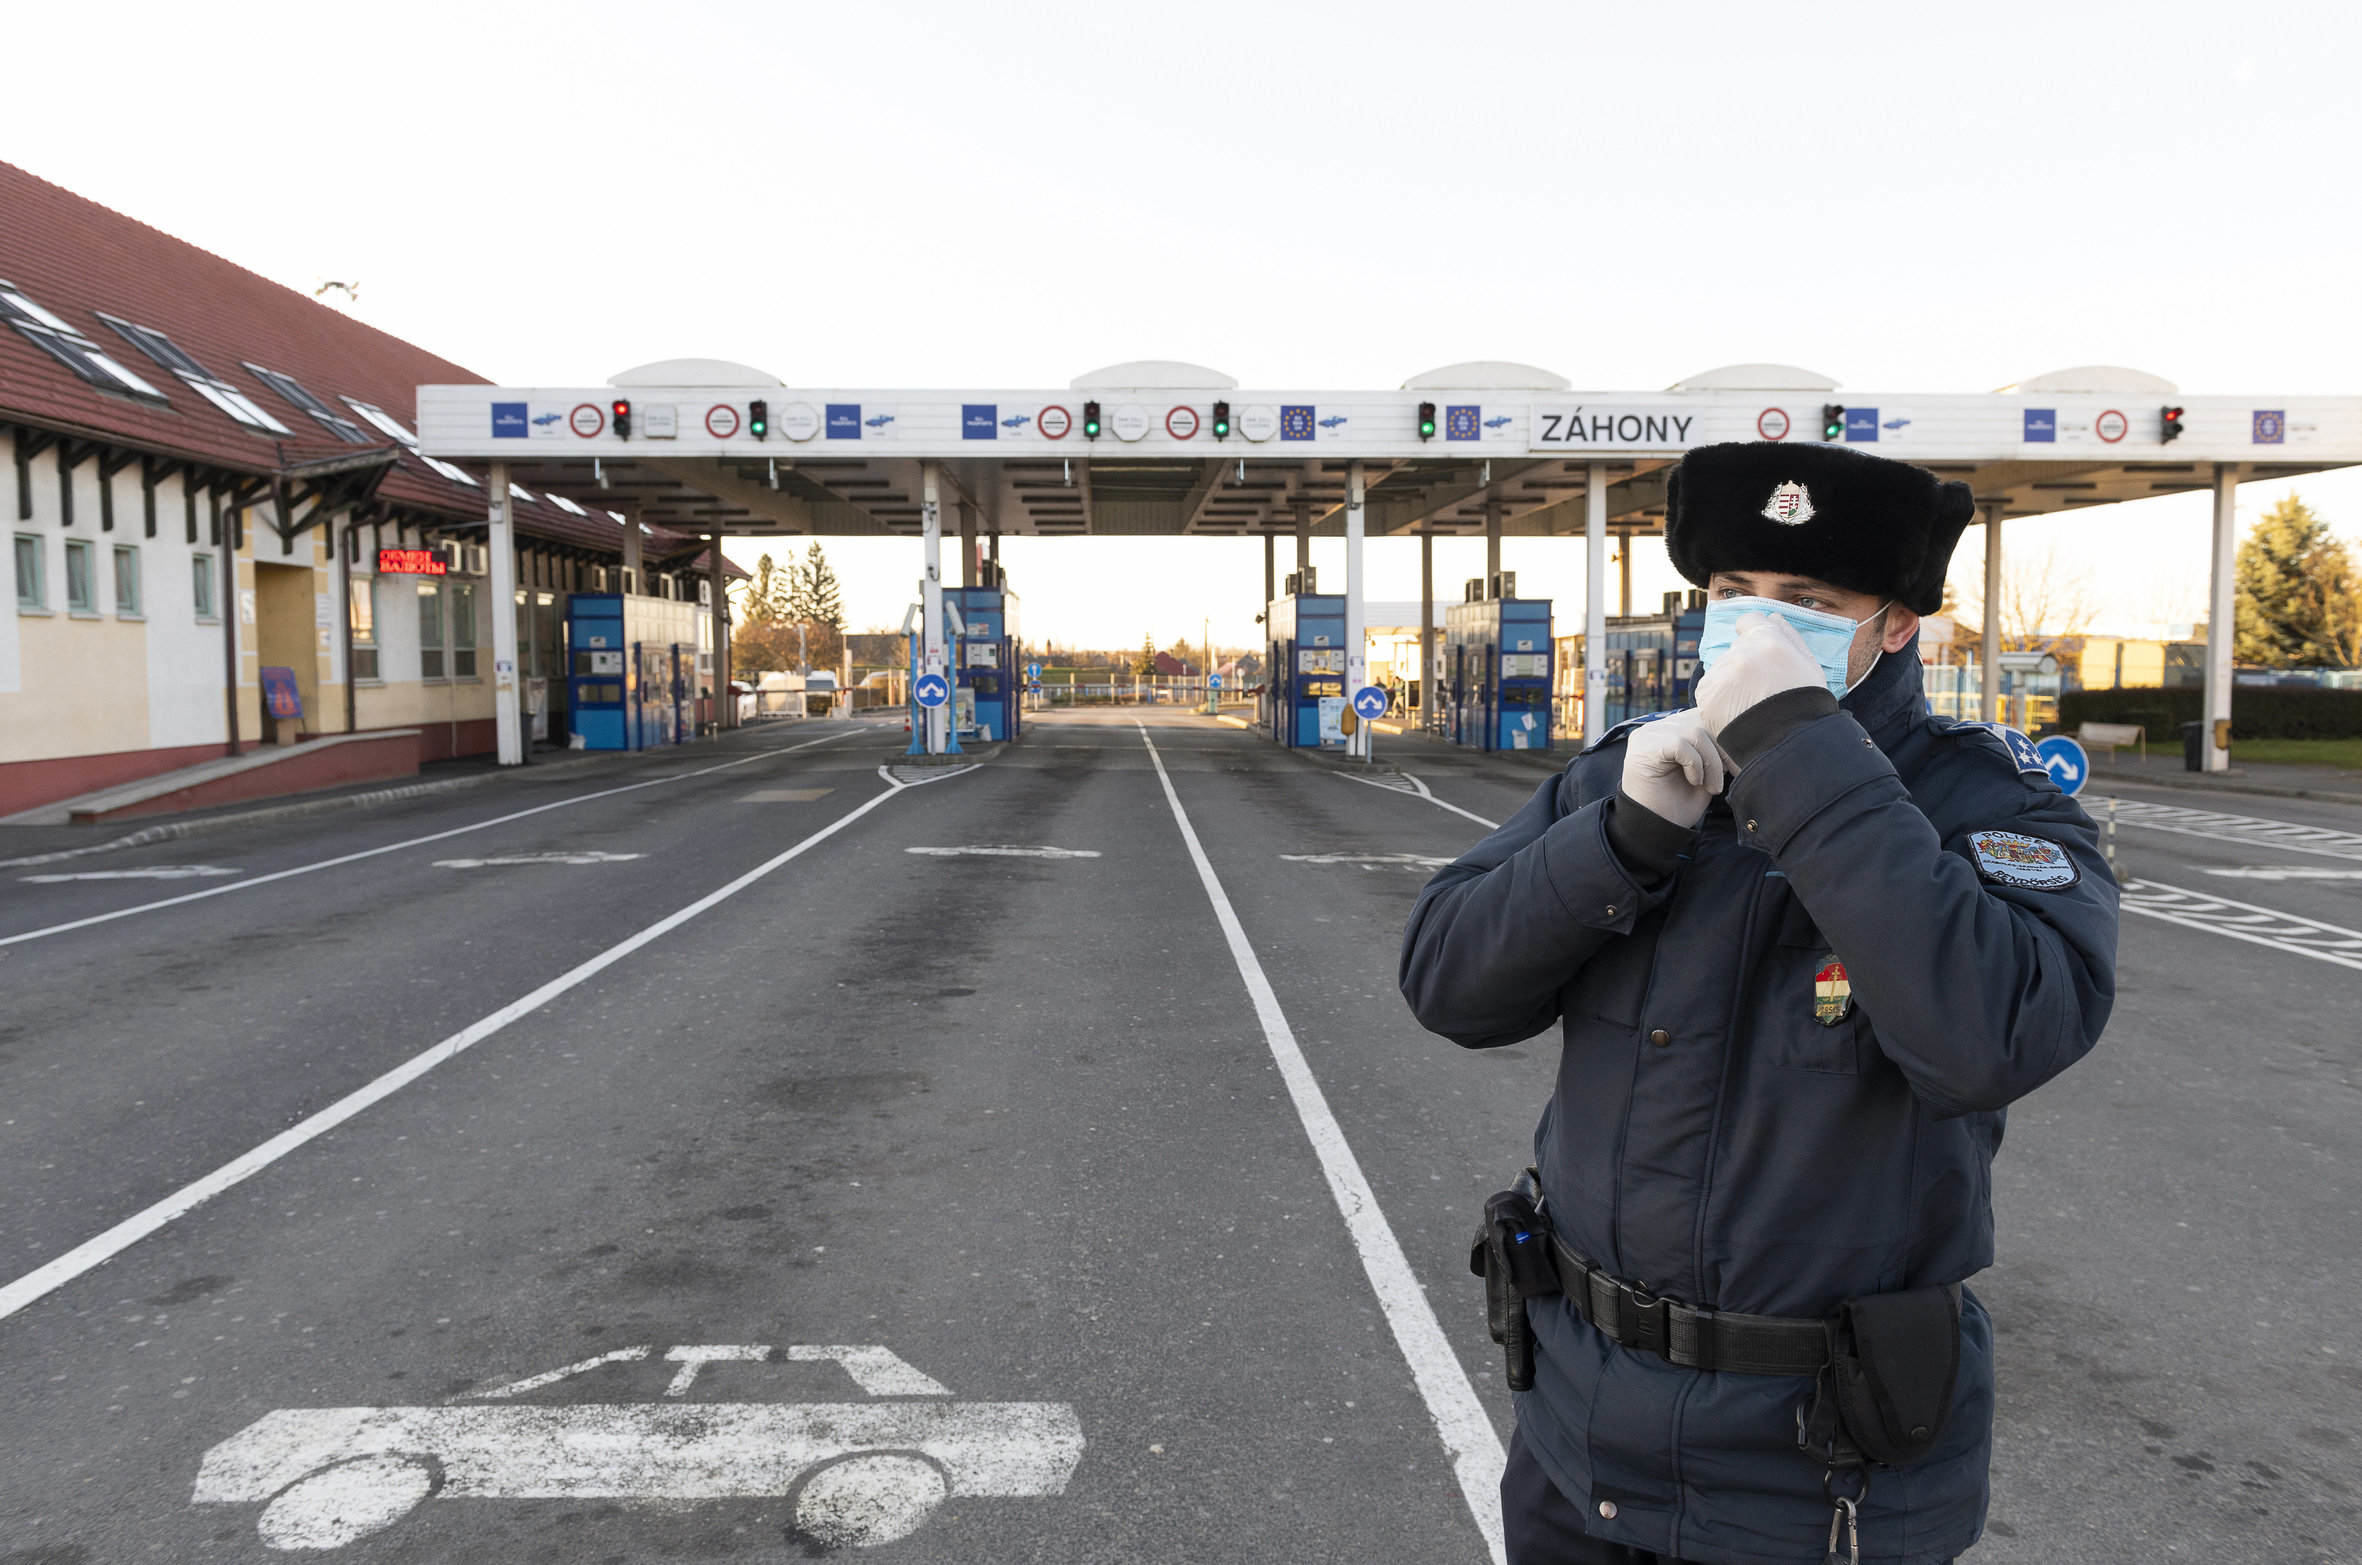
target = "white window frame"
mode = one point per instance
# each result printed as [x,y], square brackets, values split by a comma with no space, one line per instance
[433,646]
[66,343]
[241,408]
[37,600]
[367,656]
[202,598]
[393,426]
[459,617]
[128,555]
[87,551]
[300,397]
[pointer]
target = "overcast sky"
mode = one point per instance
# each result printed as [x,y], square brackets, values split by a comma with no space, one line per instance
[936,194]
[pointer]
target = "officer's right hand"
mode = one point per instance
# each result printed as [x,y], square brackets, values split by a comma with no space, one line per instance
[1673,768]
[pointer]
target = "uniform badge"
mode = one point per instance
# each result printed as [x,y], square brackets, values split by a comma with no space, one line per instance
[1833,996]
[2011,858]
[1791,505]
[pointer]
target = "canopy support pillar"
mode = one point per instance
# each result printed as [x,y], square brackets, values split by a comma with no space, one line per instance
[501,544]
[1595,603]
[1989,644]
[931,654]
[2222,621]
[1357,652]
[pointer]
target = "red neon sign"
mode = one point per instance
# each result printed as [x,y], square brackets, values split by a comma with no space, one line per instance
[412,562]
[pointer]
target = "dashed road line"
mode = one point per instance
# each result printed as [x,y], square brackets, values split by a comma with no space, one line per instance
[2215,826]
[2261,926]
[396,847]
[1468,1435]
[96,1252]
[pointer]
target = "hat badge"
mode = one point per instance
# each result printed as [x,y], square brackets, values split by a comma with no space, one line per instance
[1791,505]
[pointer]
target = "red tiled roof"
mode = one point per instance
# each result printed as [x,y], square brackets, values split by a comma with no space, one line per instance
[75,258]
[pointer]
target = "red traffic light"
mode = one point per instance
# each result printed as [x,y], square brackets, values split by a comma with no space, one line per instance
[621,413]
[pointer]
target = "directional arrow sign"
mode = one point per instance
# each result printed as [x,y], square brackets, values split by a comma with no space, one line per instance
[2069,767]
[930,690]
[1370,702]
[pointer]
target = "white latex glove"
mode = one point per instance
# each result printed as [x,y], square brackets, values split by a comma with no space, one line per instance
[1766,657]
[1673,768]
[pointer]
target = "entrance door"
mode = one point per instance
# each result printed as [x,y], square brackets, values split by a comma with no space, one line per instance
[286,634]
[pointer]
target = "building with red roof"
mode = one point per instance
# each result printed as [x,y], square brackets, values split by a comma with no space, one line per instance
[208,474]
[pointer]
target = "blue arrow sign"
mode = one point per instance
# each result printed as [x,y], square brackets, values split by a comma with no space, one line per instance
[2069,767]
[1370,702]
[930,690]
[1214,680]
[1033,671]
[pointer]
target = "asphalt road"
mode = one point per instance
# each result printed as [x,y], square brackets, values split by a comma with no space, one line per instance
[1021,1121]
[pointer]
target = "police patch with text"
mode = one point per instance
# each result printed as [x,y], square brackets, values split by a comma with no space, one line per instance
[2012,858]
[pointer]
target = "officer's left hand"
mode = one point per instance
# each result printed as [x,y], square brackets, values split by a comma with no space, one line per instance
[1766,657]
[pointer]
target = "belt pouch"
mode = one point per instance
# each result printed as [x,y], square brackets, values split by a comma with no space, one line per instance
[1510,1254]
[1895,1362]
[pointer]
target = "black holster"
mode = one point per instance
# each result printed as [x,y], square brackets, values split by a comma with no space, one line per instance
[1511,1252]
[1886,1394]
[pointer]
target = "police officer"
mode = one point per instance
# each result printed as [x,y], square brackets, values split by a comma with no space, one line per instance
[1804,943]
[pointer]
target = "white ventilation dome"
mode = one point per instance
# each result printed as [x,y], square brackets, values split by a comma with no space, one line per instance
[1755,377]
[694,372]
[1156,374]
[1487,375]
[2111,379]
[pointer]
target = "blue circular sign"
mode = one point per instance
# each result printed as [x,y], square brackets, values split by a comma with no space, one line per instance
[2069,767]
[1370,701]
[1215,680]
[930,690]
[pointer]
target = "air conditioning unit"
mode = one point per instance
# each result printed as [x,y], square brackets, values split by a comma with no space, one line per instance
[705,592]
[1505,584]
[1474,591]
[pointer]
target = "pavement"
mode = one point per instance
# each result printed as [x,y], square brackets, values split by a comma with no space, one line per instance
[1058,1111]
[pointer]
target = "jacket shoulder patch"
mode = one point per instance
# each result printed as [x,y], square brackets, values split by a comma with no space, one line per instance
[2012,858]
[2015,745]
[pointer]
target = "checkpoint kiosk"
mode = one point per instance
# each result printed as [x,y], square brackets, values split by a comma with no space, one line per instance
[1652,659]
[989,701]
[1307,631]
[632,671]
[1497,656]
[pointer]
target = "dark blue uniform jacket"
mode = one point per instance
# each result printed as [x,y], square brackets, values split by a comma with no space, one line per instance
[1711,1139]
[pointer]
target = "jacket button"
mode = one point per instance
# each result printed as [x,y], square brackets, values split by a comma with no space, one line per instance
[1611,912]
[1607,1508]
[1660,1037]
[1750,825]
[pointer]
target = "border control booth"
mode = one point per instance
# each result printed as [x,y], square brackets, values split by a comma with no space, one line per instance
[989,700]
[1307,631]
[1497,670]
[632,671]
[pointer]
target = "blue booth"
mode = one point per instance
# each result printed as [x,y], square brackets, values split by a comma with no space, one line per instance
[1307,678]
[989,702]
[632,670]
[1497,656]
[1651,660]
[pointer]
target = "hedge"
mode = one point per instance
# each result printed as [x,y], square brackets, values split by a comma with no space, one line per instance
[2257,711]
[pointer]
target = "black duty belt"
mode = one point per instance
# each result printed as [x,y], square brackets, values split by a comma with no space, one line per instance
[1692,1338]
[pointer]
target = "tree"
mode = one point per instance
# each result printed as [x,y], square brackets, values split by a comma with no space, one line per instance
[1145,664]
[2044,605]
[823,599]
[2299,598]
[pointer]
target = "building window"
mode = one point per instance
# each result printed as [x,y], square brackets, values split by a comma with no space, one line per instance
[463,629]
[401,432]
[362,590]
[287,386]
[32,591]
[430,630]
[127,582]
[70,348]
[201,584]
[240,407]
[81,578]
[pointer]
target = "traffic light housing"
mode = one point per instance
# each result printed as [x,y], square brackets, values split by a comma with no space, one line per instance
[1221,421]
[758,419]
[1426,421]
[1832,421]
[619,413]
[2172,425]
[1090,421]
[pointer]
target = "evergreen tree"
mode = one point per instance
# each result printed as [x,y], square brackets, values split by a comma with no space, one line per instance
[824,599]
[2296,592]
[1146,663]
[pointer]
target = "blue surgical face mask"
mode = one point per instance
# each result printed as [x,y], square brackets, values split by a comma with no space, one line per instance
[1829,637]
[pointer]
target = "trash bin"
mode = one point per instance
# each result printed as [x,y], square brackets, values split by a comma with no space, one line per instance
[2193,747]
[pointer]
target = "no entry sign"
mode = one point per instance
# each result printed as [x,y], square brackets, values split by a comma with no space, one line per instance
[721,421]
[587,419]
[1054,421]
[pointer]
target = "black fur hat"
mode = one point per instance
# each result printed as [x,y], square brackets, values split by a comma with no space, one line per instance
[1844,517]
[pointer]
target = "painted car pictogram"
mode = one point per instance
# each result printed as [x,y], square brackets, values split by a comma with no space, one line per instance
[859,1473]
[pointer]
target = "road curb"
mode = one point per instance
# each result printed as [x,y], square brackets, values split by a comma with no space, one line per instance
[2100,777]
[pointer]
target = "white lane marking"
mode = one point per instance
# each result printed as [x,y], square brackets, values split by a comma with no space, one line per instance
[1006,851]
[152,872]
[785,795]
[694,1357]
[555,856]
[1420,790]
[106,1246]
[2215,826]
[517,1388]
[1370,861]
[2261,926]
[396,847]
[2287,872]
[1468,1436]
[877,1370]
